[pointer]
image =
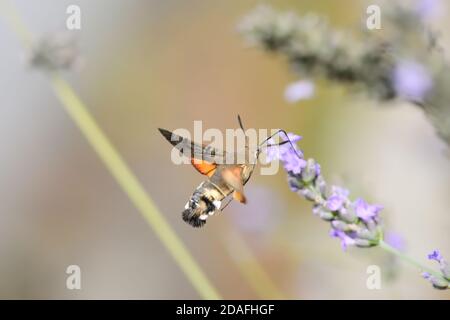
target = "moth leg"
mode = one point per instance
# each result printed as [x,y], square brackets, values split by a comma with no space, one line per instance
[239,196]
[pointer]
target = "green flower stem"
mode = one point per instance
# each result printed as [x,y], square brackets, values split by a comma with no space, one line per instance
[119,169]
[385,246]
[12,17]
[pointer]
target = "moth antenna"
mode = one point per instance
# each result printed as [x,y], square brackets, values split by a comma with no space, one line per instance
[243,130]
[240,123]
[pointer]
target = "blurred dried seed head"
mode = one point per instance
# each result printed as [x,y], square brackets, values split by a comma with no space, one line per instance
[58,51]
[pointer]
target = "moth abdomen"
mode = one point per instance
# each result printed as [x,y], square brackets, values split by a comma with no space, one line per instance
[191,217]
[201,205]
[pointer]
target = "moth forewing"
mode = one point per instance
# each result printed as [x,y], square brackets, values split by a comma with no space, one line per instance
[191,149]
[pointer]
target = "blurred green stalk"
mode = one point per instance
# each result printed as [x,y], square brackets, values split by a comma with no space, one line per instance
[118,168]
[392,250]
[251,270]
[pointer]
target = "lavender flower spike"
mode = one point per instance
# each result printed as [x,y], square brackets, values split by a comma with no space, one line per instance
[439,282]
[353,223]
[406,62]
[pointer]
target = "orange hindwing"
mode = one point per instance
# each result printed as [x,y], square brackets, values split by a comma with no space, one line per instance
[204,167]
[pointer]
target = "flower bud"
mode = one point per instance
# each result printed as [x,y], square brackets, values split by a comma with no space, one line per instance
[366,234]
[323,213]
[309,172]
[294,183]
[438,283]
[445,268]
[340,225]
[348,214]
[321,185]
[371,225]
[364,243]
[308,194]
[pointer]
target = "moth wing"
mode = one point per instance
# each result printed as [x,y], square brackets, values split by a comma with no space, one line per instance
[233,177]
[204,167]
[191,149]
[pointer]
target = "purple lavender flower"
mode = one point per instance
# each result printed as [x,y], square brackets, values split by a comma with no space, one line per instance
[443,265]
[292,163]
[287,148]
[318,169]
[435,255]
[276,152]
[293,138]
[337,198]
[300,90]
[345,239]
[366,211]
[411,80]
[439,282]
[273,151]
[289,154]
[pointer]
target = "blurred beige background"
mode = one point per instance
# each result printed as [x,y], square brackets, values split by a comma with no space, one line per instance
[150,64]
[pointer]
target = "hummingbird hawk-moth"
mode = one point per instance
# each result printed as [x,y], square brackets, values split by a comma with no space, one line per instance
[224,180]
